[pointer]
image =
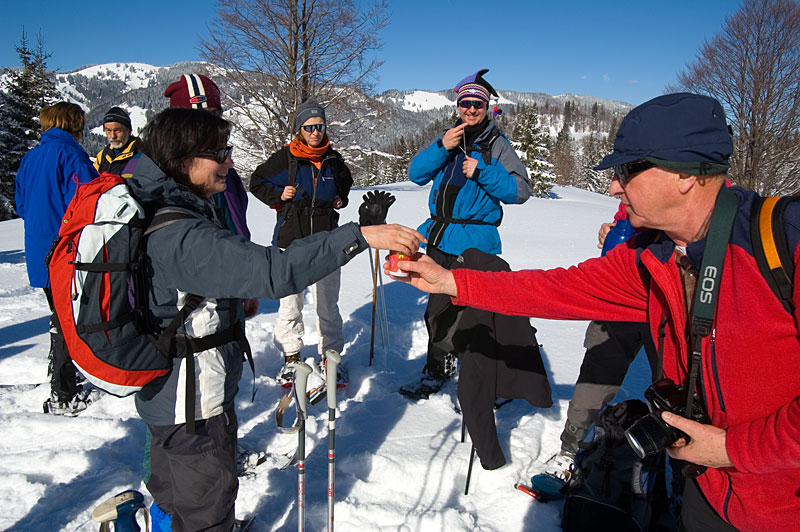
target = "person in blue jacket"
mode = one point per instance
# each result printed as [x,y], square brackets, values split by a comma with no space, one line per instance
[46,181]
[474,169]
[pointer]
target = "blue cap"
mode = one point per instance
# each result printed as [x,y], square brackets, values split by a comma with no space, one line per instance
[678,128]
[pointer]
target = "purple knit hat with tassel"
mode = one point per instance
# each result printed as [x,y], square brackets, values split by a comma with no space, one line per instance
[474,86]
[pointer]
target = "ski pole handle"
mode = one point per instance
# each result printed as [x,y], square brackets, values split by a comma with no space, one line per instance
[301,373]
[332,358]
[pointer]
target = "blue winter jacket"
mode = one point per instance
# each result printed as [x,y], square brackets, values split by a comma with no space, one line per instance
[453,197]
[46,181]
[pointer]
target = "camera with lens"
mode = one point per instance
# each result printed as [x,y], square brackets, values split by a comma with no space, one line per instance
[649,434]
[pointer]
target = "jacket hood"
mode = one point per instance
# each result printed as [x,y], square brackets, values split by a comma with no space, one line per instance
[154,189]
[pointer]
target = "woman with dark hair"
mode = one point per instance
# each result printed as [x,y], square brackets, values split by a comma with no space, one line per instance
[185,160]
[45,183]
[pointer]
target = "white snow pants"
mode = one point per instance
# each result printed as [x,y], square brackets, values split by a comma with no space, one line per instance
[289,327]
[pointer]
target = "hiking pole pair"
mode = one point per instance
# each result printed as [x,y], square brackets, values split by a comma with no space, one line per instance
[300,378]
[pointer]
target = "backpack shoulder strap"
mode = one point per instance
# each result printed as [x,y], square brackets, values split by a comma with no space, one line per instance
[292,178]
[168,215]
[771,247]
[486,145]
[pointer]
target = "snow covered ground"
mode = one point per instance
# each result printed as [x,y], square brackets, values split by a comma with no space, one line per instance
[400,465]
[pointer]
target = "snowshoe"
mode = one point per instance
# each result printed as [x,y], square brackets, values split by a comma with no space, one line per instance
[560,466]
[432,379]
[248,461]
[423,389]
[284,377]
[74,406]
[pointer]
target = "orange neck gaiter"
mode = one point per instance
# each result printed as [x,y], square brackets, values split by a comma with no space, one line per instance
[303,150]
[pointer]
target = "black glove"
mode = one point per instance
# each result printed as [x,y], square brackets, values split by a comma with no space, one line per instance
[375,207]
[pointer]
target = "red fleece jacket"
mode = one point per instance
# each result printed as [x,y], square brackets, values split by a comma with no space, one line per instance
[750,372]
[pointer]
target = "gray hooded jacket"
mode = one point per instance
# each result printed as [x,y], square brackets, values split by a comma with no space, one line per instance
[199,255]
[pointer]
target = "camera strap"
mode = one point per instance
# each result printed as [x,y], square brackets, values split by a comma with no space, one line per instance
[710,275]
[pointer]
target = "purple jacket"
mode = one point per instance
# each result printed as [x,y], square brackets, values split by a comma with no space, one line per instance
[233,203]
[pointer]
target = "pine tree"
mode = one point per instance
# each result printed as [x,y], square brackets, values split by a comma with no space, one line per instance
[534,142]
[563,157]
[400,164]
[593,150]
[28,90]
[594,147]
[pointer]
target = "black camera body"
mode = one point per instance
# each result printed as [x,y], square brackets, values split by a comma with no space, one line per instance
[649,434]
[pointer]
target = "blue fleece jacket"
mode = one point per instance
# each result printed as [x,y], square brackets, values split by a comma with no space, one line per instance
[46,181]
[476,200]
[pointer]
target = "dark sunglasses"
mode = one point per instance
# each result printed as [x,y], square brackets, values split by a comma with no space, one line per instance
[466,104]
[626,172]
[220,155]
[314,127]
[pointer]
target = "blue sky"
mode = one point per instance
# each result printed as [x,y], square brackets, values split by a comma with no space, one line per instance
[626,50]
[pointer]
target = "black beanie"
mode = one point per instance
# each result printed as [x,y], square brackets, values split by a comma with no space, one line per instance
[118,114]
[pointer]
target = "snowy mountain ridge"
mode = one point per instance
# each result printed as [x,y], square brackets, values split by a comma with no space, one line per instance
[139,85]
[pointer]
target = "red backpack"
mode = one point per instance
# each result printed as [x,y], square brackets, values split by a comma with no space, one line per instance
[99,289]
[100,294]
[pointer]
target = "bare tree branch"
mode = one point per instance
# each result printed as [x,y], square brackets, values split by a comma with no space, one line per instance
[753,68]
[275,54]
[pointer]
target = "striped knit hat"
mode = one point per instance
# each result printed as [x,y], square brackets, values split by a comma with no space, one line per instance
[474,86]
[194,91]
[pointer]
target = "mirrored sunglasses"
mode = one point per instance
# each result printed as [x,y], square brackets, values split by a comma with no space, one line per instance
[220,155]
[466,104]
[314,127]
[626,172]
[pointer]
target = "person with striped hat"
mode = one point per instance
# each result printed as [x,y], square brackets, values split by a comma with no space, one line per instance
[196,91]
[474,169]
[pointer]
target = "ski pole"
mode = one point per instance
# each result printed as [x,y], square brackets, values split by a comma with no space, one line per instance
[469,469]
[301,373]
[385,323]
[332,359]
[374,294]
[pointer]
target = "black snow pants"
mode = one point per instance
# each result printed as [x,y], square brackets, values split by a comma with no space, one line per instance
[193,476]
[64,376]
[435,363]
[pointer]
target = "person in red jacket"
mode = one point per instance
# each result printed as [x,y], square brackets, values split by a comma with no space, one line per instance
[670,155]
